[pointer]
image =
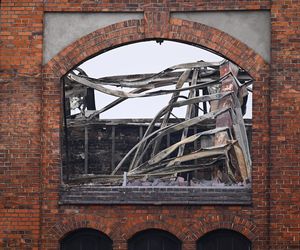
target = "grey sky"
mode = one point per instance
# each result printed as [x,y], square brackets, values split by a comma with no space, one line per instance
[143,57]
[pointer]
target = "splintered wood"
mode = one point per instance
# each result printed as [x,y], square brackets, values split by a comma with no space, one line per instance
[217,93]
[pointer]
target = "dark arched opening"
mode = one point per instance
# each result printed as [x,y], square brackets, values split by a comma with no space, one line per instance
[153,239]
[223,239]
[86,239]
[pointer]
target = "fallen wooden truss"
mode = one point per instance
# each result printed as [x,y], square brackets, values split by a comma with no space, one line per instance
[216,92]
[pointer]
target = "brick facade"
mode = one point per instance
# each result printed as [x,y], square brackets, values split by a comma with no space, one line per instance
[30,96]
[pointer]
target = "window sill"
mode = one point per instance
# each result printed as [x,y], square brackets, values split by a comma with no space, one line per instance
[93,194]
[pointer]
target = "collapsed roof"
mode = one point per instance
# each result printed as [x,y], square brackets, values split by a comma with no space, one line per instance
[216,92]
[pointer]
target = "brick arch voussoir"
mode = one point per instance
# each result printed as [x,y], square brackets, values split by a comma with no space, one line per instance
[129,232]
[219,42]
[96,42]
[131,31]
[235,223]
[75,222]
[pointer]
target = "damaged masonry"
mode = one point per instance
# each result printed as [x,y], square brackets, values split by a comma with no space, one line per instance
[209,146]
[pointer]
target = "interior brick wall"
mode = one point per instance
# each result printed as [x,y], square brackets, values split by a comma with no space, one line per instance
[30,118]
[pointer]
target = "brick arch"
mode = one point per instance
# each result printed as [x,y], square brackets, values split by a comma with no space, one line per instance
[129,232]
[195,229]
[73,223]
[132,31]
[230,222]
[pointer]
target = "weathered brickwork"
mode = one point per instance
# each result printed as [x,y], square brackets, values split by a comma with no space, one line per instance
[30,118]
[285,133]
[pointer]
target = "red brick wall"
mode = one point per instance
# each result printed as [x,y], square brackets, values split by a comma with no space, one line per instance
[20,119]
[30,109]
[285,125]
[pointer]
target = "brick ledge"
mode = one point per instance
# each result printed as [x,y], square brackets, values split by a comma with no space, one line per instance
[155,195]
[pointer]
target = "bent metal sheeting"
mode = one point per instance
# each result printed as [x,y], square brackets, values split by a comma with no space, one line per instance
[217,92]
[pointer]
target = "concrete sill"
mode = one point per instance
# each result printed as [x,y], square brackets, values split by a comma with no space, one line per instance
[93,194]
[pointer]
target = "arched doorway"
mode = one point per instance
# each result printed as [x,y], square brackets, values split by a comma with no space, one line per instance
[86,239]
[223,239]
[154,239]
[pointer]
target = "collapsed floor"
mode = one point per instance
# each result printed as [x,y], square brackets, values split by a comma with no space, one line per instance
[209,147]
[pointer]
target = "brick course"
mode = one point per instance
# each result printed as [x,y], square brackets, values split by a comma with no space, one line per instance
[30,117]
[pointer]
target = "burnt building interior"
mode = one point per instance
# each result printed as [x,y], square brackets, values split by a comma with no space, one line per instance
[209,146]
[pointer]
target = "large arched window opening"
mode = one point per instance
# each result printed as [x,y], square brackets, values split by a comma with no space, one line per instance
[196,136]
[86,239]
[153,239]
[223,239]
